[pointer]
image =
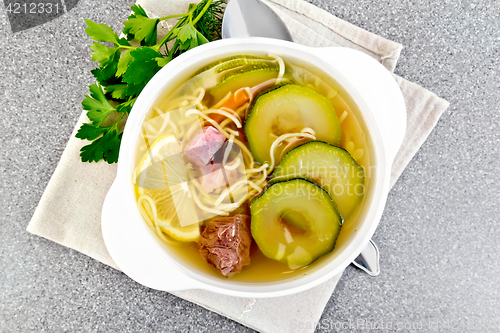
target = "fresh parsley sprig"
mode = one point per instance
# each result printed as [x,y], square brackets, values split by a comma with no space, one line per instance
[125,69]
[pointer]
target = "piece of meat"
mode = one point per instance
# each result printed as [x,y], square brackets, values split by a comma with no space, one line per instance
[204,145]
[225,243]
[213,177]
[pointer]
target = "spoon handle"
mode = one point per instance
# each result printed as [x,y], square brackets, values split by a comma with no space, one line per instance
[368,259]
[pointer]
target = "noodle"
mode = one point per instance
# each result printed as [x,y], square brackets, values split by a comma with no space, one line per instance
[283,138]
[231,206]
[166,120]
[331,94]
[246,151]
[160,234]
[262,168]
[225,122]
[194,128]
[222,101]
[350,146]
[203,207]
[150,127]
[158,110]
[308,130]
[151,223]
[211,121]
[200,106]
[263,179]
[228,149]
[317,82]
[176,130]
[174,104]
[243,107]
[226,114]
[149,136]
[231,111]
[343,116]
[226,192]
[357,154]
[233,166]
[201,94]
[292,143]
[281,64]
[152,206]
[232,132]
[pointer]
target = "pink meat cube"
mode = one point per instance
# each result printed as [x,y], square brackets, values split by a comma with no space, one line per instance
[204,145]
[213,178]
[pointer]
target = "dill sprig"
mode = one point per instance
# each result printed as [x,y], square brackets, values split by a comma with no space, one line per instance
[210,24]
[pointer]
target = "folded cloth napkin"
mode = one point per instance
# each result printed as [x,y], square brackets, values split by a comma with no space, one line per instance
[70,209]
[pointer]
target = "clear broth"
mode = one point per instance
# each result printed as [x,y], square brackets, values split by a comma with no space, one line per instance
[261,268]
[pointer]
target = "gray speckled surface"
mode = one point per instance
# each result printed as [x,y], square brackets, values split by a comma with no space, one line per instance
[438,238]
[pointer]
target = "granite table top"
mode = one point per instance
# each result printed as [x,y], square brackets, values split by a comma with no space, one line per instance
[438,238]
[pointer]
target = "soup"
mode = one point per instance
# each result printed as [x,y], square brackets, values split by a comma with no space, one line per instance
[250,169]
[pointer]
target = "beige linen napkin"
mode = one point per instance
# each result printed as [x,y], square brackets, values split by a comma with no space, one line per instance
[70,209]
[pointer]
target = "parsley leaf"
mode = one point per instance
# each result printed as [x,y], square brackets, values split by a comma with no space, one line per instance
[162,61]
[106,75]
[97,105]
[126,107]
[90,132]
[193,38]
[118,91]
[185,32]
[201,39]
[101,32]
[102,78]
[140,27]
[123,42]
[102,147]
[141,69]
[102,53]
[106,147]
[123,63]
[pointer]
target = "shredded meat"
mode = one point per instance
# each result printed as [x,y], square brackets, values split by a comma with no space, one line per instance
[225,243]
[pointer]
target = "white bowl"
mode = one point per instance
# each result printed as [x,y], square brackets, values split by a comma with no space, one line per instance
[139,253]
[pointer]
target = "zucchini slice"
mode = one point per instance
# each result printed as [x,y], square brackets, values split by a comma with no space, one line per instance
[331,167]
[295,221]
[231,62]
[288,109]
[248,76]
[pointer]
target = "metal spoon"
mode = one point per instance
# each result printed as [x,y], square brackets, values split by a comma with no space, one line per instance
[368,259]
[253,18]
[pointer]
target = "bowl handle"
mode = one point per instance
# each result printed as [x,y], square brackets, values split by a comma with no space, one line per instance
[378,88]
[133,252]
